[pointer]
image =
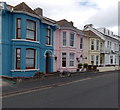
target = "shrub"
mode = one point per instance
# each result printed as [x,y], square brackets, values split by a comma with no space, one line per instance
[38,74]
[80,65]
[85,65]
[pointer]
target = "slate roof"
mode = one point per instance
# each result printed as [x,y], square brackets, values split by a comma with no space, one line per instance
[23,7]
[65,23]
[90,33]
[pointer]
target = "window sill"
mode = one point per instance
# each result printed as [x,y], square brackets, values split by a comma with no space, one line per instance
[25,70]
[48,45]
[26,40]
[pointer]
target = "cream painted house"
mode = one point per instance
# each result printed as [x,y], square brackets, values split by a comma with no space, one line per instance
[94,44]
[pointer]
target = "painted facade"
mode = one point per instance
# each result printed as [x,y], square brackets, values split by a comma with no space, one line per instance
[94,45]
[68,47]
[109,46]
[26,42]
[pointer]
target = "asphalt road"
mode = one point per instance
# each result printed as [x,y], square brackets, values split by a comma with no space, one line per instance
[99,92]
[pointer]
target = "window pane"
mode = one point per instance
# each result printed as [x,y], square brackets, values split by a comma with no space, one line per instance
[19,23]
[19,33]
[30,34]
[30,62]
[18,63]
[71,63]
[30,25]
[30,53]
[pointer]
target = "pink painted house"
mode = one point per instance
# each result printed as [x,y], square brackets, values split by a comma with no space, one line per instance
[68,47]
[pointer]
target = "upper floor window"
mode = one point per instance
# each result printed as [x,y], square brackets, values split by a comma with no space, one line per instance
[81,43]
[115,45]
[30,58]
[18,28]
[48,36]
[101,45]
[72,39]
[71,60]
[108,44]
[92,44]
[18,58]
[97,44]
[64,38]
[63,59]
[31,30]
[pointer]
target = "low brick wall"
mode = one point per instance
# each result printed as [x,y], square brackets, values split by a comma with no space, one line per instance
[108,68]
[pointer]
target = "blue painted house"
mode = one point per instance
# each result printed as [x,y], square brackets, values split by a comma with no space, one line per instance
[26,41]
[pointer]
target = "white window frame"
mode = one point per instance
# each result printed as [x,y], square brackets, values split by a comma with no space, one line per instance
[64,59]
[93,44]
[72,60]
[81,43]
[92,59]
[72,40]
[97,44]
[64,38]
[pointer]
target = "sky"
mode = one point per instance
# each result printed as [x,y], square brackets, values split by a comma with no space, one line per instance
[100,13]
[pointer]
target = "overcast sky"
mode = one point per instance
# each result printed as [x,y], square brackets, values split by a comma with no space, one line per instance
[100,13]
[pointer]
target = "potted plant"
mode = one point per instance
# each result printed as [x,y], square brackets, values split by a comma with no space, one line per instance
[85,66]
[80,66]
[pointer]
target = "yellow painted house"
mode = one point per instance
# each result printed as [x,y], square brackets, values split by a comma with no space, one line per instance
[94,46]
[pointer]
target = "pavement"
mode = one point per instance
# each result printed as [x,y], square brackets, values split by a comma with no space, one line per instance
[10,88]
[98,90]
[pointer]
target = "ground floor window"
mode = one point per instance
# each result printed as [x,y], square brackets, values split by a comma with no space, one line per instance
[111,59]
[30,58]
[18,58]
[97,57]
[92,59]
[63,59]
[71,60]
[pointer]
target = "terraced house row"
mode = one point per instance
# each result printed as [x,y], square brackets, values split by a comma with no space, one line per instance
[31,42]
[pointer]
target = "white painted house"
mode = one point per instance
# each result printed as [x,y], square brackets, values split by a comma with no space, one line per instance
[111,47]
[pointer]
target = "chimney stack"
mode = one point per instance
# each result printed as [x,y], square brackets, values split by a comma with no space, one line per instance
[39,11]
[87,25]
[71,23]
